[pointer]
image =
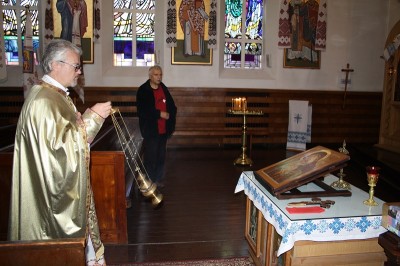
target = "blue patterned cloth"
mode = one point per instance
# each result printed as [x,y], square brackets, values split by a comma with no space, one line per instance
[337,223]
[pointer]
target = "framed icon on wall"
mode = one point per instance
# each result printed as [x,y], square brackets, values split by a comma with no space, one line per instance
[63,11]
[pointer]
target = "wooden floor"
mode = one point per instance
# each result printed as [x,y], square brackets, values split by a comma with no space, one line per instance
[201,217]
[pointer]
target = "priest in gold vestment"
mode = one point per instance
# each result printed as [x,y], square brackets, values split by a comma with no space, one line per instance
[51,194]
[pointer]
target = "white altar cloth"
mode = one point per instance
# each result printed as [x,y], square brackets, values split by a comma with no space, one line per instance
[347,219]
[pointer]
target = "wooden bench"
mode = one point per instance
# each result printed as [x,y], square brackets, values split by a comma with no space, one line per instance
[69,251]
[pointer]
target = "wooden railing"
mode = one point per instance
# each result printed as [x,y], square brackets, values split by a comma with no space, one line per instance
[203,118]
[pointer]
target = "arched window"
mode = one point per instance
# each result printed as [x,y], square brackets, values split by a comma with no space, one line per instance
[134,32]
[243,46]
[14,19]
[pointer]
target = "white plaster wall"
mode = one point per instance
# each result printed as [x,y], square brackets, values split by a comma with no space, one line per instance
[356,34]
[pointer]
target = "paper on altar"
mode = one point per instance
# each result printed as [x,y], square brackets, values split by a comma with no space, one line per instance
[299,128]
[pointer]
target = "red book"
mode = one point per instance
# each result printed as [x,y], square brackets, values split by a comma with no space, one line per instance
[300,210]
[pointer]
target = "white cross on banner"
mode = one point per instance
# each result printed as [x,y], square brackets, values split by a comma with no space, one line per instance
[299,129]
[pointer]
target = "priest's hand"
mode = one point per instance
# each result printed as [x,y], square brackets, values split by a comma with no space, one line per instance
[102,109]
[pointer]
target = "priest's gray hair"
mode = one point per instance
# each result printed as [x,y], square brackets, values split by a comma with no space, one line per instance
[151,69]
[55,51]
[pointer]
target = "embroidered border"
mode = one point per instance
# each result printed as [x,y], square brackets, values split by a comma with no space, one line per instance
[320,41]
[212,25]
[171,24]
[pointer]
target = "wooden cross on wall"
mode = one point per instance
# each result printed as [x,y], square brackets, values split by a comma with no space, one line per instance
[347,70]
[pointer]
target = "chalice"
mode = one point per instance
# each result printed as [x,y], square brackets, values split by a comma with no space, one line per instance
[372,177]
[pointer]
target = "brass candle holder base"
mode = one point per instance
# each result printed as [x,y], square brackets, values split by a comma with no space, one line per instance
[243,160]
[341,184]
[371,201]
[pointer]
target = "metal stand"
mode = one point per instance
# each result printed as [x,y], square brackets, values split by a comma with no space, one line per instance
[243,159]
[341,184]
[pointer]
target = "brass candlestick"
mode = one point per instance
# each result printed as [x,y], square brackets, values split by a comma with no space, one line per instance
[341,184]
[239,107]
[372,177]
[243,158]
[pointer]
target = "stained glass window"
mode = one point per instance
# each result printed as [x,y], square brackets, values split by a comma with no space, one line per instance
[243,34]
[14,18]
[134,32]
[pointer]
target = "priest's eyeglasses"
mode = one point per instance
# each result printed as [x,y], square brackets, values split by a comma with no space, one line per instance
[76,66]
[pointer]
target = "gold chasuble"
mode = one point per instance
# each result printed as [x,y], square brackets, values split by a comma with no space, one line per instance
[51,193]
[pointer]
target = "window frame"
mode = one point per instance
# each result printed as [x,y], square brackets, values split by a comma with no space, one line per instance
[18,9]
[134,11]
[243,40]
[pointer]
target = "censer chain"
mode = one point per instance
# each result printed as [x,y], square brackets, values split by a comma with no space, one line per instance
[127,150]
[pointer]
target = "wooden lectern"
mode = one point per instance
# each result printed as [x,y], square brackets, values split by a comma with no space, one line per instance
[283,178]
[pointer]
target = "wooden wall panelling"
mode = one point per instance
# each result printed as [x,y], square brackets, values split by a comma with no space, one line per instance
[122,98]
[202,117]
[357,122]
[7,138]
[209,122]
[11,101]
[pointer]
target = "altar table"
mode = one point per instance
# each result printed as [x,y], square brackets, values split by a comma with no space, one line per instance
[348,219]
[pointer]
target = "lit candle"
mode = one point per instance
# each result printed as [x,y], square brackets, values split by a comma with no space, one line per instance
[244,104]
[372,174]
[373,170]
[236,104]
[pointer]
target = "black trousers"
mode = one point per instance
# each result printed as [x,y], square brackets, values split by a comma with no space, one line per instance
[154,153]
